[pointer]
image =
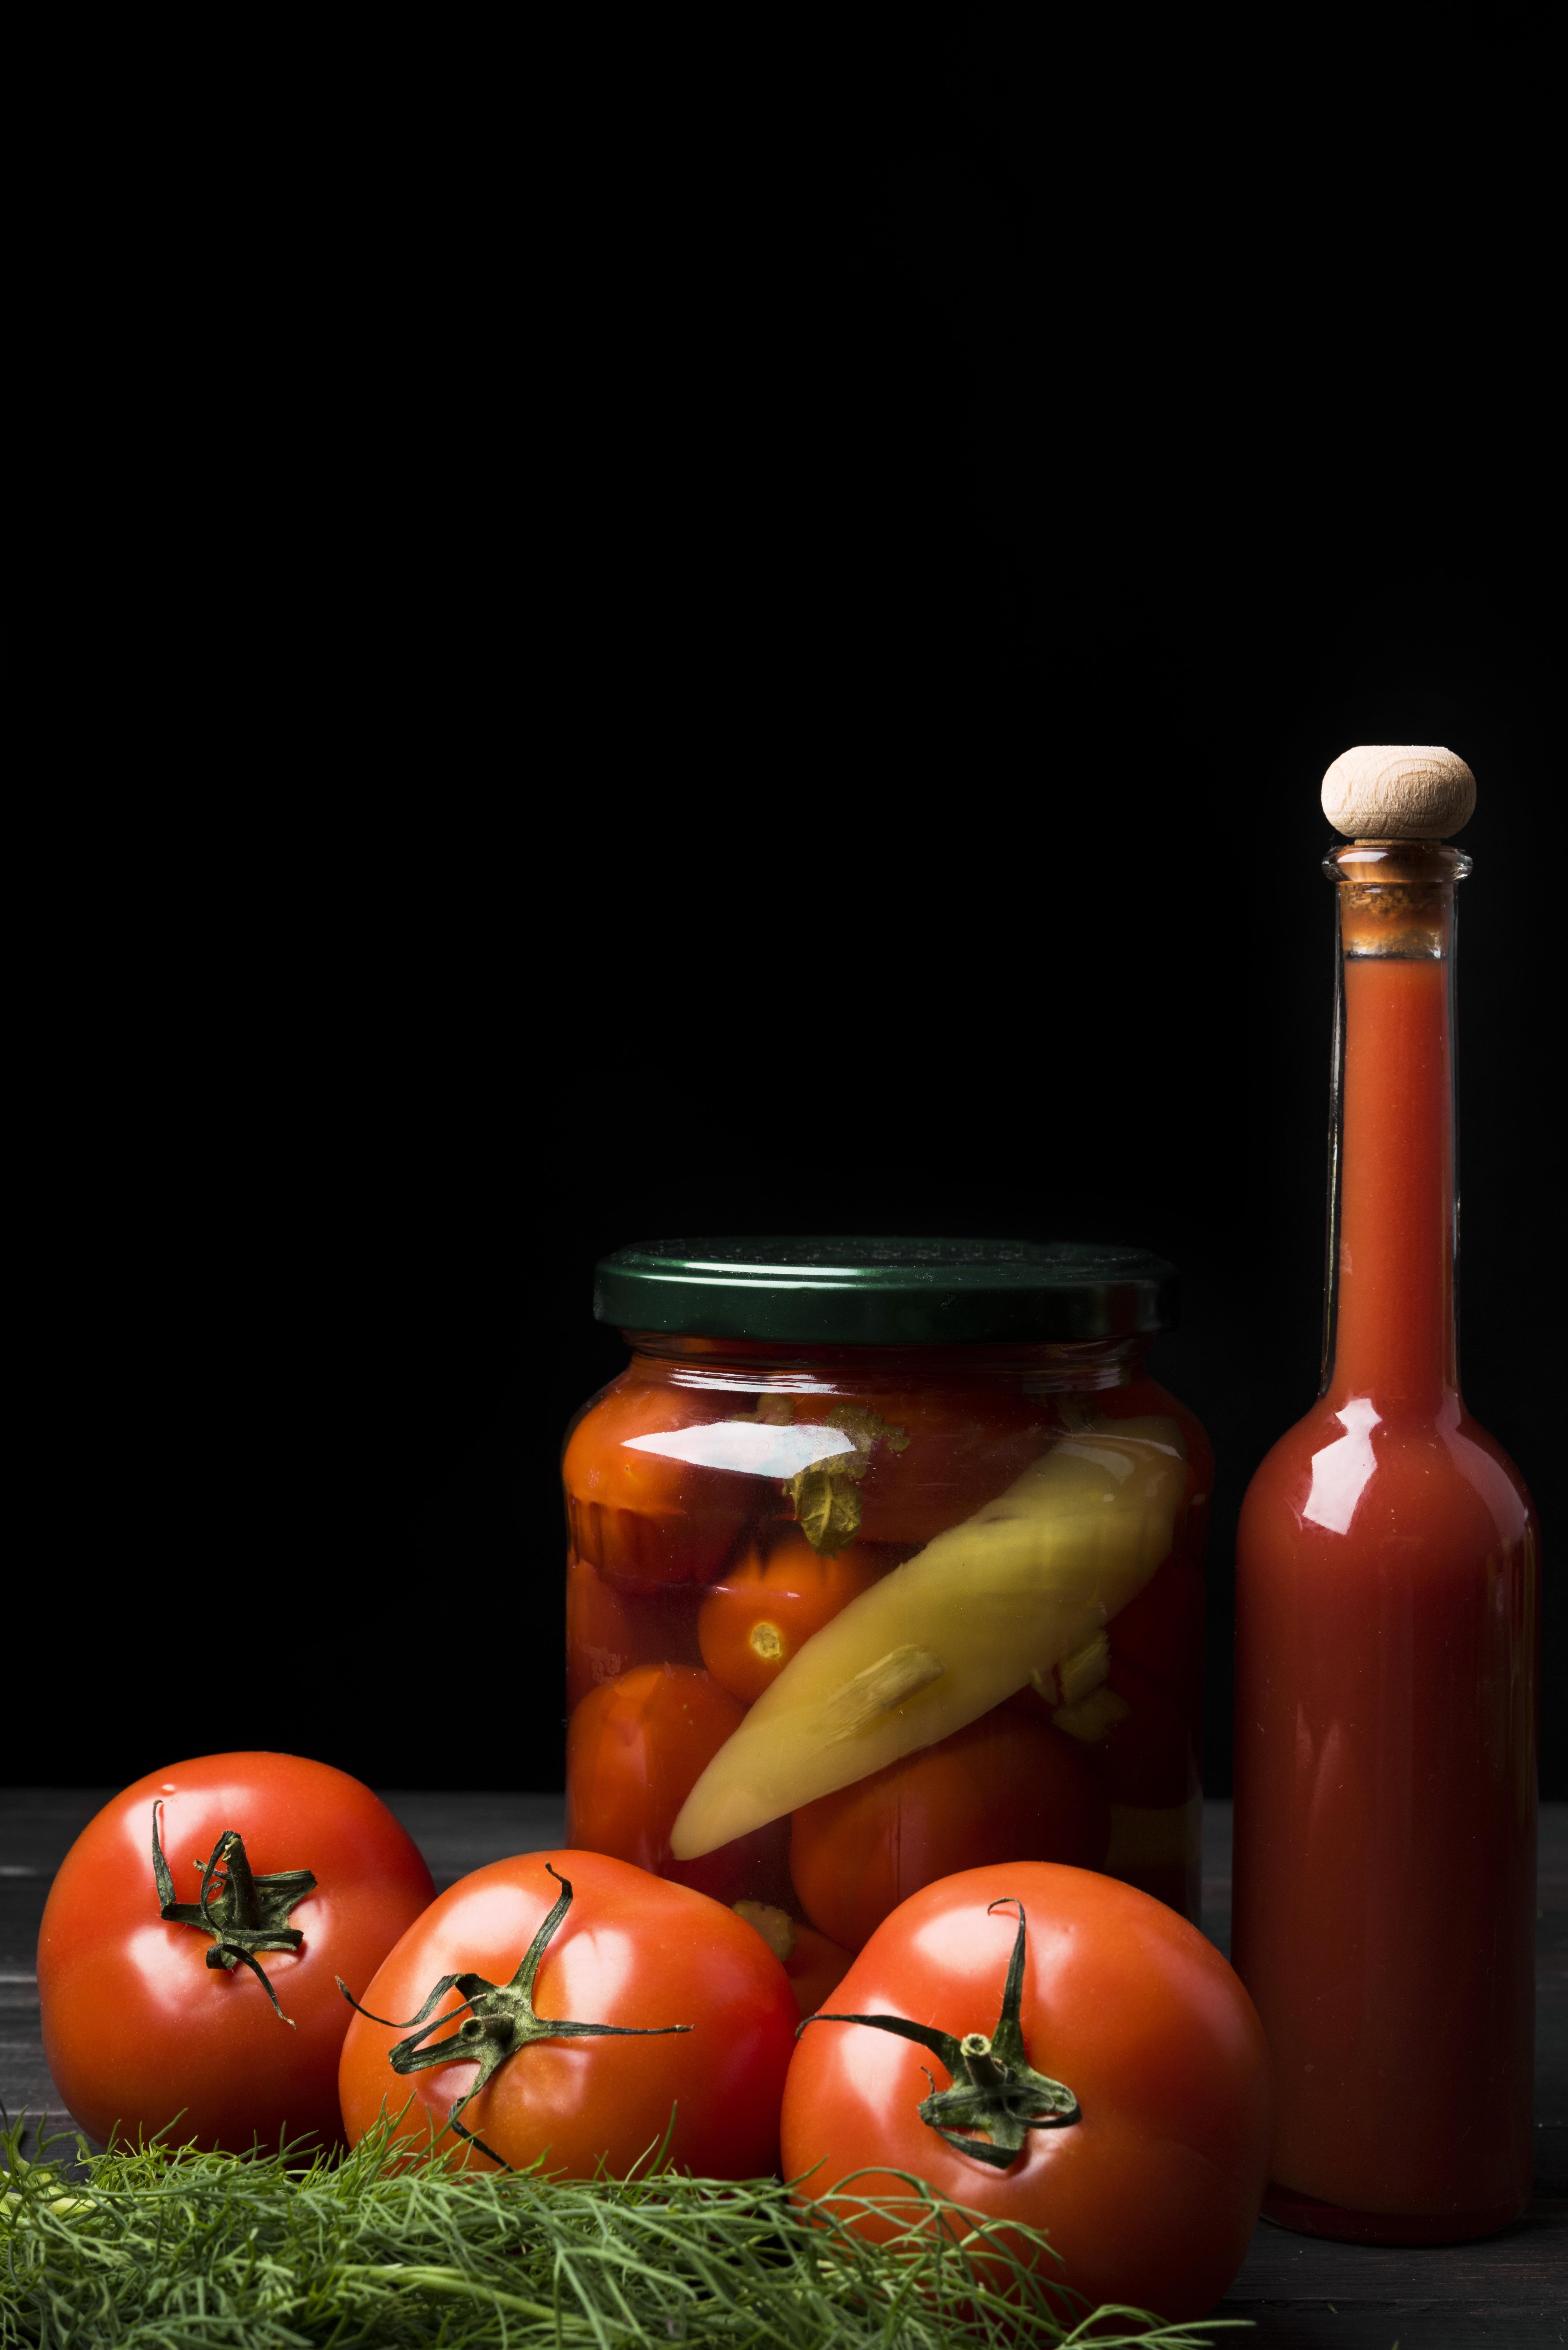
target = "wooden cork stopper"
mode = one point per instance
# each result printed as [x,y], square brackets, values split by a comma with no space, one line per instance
[1399,791]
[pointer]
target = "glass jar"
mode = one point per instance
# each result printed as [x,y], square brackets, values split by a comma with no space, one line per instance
[886,1561]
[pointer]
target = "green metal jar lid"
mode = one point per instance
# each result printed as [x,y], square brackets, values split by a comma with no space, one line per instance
[887,1293]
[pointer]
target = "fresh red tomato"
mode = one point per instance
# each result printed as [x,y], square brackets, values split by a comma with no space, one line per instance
[636,1747]
[643,1515]
[763,1609]
[628,1952]
[947,1452]
[1002,1788]
[1139,2142]
[141,2030]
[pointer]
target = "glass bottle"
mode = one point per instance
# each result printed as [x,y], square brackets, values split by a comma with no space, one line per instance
[1387,1639]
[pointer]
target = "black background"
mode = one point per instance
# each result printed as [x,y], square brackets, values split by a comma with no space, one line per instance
[722,697]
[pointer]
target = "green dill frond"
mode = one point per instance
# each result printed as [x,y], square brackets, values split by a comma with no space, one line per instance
[165,2247]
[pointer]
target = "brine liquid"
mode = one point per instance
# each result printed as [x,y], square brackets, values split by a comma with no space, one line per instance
[650,1680]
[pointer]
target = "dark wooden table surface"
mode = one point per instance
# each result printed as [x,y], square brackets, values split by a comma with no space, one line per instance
[1512,2289]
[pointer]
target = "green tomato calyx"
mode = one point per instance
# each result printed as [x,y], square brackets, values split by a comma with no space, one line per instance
[243,1912]
[995,2089]
[501,2021]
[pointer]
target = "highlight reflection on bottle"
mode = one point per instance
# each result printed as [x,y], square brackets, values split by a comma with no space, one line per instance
[1387,1644]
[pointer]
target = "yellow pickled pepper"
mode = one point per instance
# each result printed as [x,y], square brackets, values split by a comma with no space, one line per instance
[1025,1583]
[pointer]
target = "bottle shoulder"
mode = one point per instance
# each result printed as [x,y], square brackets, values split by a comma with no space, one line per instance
[1485,1465]
[1354,1470]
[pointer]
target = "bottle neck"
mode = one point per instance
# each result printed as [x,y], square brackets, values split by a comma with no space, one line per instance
[1389,1325]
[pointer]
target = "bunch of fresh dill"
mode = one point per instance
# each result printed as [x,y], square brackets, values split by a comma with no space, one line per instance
[167,2248]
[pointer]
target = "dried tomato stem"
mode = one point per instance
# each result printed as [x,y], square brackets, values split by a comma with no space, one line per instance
[243,1912]
[500,2022]
[995,2089]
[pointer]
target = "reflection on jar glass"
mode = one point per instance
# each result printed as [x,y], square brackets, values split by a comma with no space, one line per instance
[886,1561]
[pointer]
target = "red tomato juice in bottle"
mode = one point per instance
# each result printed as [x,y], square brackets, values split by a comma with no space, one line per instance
[1387,1643]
